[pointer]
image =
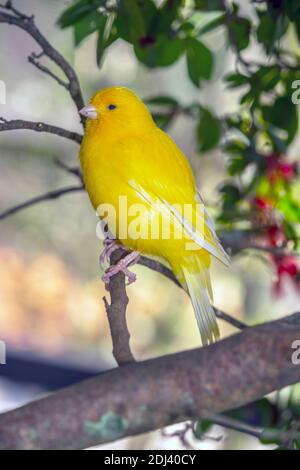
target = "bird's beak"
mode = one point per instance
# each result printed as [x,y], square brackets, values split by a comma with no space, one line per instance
[89,111]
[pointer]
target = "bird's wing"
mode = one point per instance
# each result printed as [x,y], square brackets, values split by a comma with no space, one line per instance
[161,176]
[211,226]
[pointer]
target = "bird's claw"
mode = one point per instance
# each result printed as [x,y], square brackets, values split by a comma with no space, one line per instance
[109,247]
[122,266]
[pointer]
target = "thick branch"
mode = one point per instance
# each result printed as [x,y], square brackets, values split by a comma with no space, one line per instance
[116,314]
[149,395]
[18,124]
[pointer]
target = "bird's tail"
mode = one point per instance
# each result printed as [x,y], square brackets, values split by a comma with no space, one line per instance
[199,288]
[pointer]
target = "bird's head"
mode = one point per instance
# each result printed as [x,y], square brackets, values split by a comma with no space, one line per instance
[116,107]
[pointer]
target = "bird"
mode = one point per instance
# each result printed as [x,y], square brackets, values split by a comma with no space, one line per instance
[125,156]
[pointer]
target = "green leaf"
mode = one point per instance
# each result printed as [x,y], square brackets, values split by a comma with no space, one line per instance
[290,209]
[201,427]
[199,61]
[162,101]
[297,24]
[235,80]
[282,114]
[208,131]
[240,32]
[88,25]
[208,5]
[266,30]
[237,165]
[103,35]
[130,21]
[150,14]
[270,29]
[211,24]
[169,51]
[231,195]
[247,98]
[162,119]
[167,14]
[162,53]
[78,11]
[266,78]
[291,8]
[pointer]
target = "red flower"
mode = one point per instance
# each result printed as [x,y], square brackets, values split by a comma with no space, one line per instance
[286,267]
[275,235]
[278,169]
[286,170]
[264,214]
[261,203]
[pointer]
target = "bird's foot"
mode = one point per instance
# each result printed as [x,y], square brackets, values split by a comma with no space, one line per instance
[109,247]
[122,266]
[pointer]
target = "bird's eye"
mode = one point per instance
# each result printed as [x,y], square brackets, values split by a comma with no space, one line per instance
[111,107]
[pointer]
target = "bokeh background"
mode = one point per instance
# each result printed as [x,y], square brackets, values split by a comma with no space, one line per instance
[52,315]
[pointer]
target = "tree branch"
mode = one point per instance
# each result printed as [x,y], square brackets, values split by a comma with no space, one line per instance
[116,314]
[72,170]
[32,59]
[27,23]
[254,431]
[18,124]
[141,397]
[36,200]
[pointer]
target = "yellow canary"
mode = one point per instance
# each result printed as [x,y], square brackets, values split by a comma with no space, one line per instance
[125,157]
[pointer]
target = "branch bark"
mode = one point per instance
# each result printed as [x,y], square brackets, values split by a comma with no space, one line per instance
[116,314]
[19,124]
[149,395]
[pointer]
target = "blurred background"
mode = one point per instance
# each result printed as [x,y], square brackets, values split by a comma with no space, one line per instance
[52,316]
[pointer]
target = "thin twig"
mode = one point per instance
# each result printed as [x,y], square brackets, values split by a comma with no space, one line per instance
[181,434]
[260,433]
[17,18]
[229,319]
[73,170]
[19,124]
[236,425]
[44,69]
[36,200]
[9,6]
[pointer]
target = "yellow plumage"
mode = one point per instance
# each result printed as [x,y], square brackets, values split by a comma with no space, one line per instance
[124,153]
